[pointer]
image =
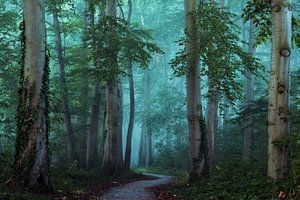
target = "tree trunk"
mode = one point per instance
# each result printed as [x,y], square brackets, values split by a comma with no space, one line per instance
[62,77]
[249,98]
[102,121]
[31,165]
[120,126]
[278,115]
[212,122]
[132,105]
[111,162]
[84,93]
[197,147]
[91,148]
[111,151]
[142,152]
[145,150]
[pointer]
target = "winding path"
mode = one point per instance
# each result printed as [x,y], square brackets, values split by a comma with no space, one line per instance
[136,190]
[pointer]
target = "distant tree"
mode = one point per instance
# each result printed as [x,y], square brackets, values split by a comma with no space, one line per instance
[55,9]
[31,166]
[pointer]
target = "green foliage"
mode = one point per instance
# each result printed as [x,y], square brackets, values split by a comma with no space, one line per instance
[260,12]
[113,39]
[222,58]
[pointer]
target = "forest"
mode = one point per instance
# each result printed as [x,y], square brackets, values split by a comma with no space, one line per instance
[150,99]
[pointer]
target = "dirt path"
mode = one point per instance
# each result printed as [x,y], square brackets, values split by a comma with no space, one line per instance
[136,190]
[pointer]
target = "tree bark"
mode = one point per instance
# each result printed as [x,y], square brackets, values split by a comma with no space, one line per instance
[212,122]
[91,147]
[249,98]
[31,165]
[62,77]
[197,147]
[111,162]
[278,115]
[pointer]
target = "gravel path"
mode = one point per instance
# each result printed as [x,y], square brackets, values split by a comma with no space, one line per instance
[136,190]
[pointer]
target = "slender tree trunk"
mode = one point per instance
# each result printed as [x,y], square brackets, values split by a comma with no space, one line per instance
[197,151]
[148,147]
[249,98]
[120,126]
[62,77]
[84,93]
[278,115]
[91,151]
[102,127]
[132,105]
[212,122]
[142,154]
[145,150]
[31,165]
[131,119]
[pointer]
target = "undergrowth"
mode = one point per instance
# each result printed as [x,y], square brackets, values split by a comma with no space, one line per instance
[235,181]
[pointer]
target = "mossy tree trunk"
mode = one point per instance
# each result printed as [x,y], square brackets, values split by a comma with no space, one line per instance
[31,166]
[278,115]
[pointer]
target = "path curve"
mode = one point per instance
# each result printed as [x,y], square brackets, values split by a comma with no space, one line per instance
[136,190]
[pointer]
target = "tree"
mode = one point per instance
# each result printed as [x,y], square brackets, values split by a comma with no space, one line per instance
[198,157]
[111,164]
[91,146]
[31,166]
[132,104]
[249,98]
[64,88]
[278,115]
[145,146]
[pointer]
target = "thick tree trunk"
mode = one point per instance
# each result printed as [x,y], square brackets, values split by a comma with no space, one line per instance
[249,98]
[197,151]
[278,116]
[91,148]
[111,162]
[62,77]
[31,166]
[132,104]
[212,123]
[111,158]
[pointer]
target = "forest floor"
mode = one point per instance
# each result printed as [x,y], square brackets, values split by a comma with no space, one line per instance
[137,190]
[72,184]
